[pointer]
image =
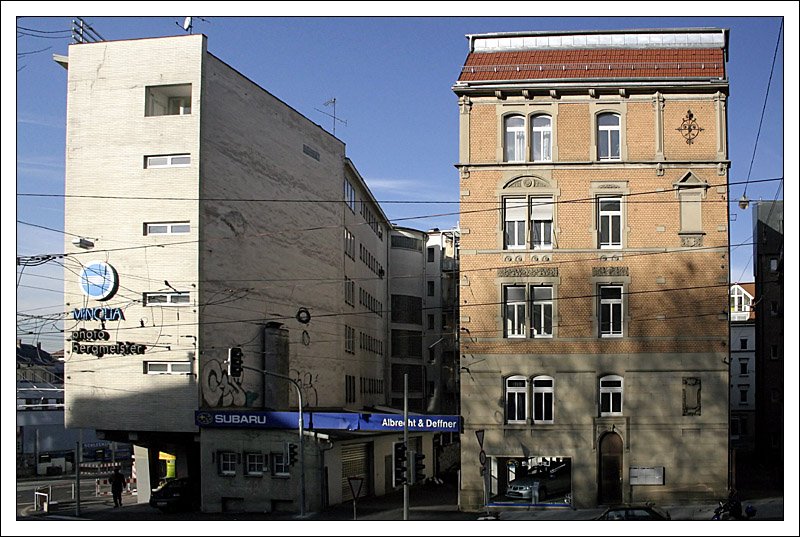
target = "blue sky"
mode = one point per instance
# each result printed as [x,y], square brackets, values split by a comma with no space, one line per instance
[391,77]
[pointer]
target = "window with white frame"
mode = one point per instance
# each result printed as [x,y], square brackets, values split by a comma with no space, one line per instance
[280,466]
[350,195]
[610,310]
[542,138]
[254,464]
[514,142]
[516,399]
[608,133]
[543,399]
[349,244]
[542,311]
[166,228]
[541,223]
[740,302]
[514,306]
[227,462]
[167,368]
[611,389]
[168,161]
[179,298]
[609,222]
[515,213]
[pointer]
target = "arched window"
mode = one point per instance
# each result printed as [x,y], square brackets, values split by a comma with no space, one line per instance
[514,143]
[543,399]
[611,395]
[516,399]
[608,136]
[542,138]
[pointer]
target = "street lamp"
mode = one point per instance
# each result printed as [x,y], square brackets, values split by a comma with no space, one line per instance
[299,430]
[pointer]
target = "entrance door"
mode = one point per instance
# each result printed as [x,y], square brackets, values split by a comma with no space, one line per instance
[610,469]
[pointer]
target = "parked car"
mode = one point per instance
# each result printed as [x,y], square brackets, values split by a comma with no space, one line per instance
[179,494]
[634,512]
[548,488]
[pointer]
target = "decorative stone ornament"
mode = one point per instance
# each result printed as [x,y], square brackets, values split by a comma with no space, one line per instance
[689,127]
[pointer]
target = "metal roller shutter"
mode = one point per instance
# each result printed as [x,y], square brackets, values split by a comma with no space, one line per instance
[355,463]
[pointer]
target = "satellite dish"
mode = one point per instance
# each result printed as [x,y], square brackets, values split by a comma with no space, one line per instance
[187,23]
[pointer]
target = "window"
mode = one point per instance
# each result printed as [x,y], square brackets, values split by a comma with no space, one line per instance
[431,288]
[254,464]
[735,428]
[167,161]
[543,400]
[542,298]
[514,303]
[169,100]
[743,370]
[431,322]
[773,265]
[542,138]
[179,298]
[773,308]
[349,339]
[166,228]
[349,244]
[610,311]
[611,395]
[227,463]
[609,222]
[740,301]
[349,291]
[431,254]
[280,466]
[349,195]
[516,399]
[743,343]
[514,144]
[773,352]
[167,368]
[542,223]
[514,210]
[608,136]
[743,394]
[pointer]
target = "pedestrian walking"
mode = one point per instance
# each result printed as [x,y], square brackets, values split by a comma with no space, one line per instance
[117,482]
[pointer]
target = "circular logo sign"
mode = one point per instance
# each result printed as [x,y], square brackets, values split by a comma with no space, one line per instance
[99,280]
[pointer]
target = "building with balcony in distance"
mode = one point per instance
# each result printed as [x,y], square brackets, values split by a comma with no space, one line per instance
[594,267]
[222,224]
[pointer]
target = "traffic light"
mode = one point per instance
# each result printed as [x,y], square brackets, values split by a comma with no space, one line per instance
[419,467]
[292,454]
[400,459]
[235,362]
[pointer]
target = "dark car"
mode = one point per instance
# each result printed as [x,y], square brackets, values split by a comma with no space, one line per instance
[634,512]
[179,494]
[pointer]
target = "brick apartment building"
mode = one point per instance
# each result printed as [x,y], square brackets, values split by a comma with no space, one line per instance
[594,267]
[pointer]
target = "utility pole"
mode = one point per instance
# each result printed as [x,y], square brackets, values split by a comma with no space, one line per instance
[405,443]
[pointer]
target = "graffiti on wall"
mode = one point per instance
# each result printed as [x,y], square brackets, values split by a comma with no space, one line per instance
[220,389]
[306,382]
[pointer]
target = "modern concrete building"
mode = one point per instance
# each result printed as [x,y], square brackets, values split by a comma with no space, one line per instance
[769,322]
[217,222]
[594,267]
[743,369]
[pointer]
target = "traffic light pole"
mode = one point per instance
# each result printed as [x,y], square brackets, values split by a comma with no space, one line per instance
[300,433]
[405,443]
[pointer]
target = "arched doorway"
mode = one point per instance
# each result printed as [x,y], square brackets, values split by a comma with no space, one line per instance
[610,469]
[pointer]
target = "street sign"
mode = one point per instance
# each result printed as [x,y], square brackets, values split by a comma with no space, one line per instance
[479,434]
[355,486]
[482,457]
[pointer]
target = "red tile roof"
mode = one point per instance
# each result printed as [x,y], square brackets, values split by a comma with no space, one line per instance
[593,64]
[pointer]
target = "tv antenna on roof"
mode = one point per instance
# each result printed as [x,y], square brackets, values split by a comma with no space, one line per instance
[187,23]
[330,102]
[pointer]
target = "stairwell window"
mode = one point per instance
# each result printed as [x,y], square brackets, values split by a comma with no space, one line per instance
[514,140]
[543,399]
[516,399]
[542,138]
[611,390]
[608,132]
[609,222]
[610,310]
